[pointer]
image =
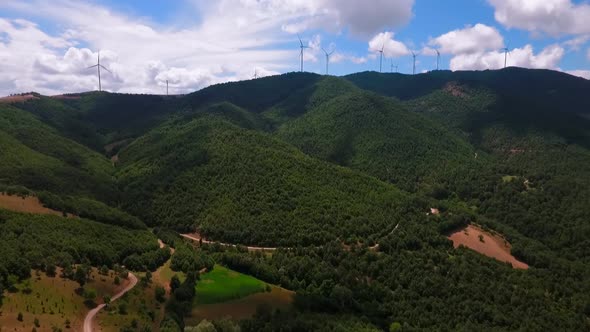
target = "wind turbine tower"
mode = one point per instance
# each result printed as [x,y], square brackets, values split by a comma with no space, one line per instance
[393,66]
[414,68]
[301,54]
[327,58]
[98,66]
[166,87]
[381,59]
[437,59]
[505,49]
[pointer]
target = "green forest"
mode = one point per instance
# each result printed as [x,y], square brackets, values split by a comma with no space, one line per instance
[340,174]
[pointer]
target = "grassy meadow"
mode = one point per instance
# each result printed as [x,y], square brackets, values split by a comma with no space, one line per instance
[222,284]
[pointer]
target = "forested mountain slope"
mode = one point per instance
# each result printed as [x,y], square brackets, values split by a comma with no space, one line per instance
[242,186]
[37,156]
[381,137]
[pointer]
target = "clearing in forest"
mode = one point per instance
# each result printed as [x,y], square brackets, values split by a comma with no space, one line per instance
[222,284]
[491,245]
[17,99]
[52,301]
[27,204]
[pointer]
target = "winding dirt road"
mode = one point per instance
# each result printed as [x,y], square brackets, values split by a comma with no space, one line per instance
[92,313]
[196,237]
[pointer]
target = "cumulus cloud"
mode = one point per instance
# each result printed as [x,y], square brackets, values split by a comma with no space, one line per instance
[525,57]
[469,40]
[229,39]
[210,52]
[391,47]
[361,18]
[554,17]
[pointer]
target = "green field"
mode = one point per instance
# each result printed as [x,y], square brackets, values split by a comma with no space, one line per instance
[222,284]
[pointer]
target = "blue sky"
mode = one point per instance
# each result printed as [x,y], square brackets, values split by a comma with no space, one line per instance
[46,45]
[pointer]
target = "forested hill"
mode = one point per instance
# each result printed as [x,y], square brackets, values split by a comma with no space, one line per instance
[564,92]
[344,171]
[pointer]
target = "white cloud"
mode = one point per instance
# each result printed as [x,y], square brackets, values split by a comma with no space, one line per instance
[525,57]
[554,17]
[231,38]
[391,47]
[580,73]
[471,39]
[358,60]
[214,51]
[574,44]
[361,18]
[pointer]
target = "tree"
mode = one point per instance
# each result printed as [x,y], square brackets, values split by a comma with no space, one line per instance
[80,276]
[123,308]
[174,283]
[104,270]
[160,294]
[90,294]
[395,327]
[117,280]
[50,270]
[36,322]
[106,299]
[19,317]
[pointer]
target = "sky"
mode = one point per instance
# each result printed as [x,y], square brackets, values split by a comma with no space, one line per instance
[47,45]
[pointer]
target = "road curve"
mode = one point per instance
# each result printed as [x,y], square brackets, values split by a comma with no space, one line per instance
[93,312]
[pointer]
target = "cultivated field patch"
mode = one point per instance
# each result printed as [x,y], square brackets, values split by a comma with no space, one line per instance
[277,298]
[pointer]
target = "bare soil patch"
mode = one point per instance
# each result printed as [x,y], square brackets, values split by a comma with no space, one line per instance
[455,90]
[491,245]
[17,99]
[66,97]
[28,204]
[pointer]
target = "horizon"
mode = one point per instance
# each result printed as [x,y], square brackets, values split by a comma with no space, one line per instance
[281,74]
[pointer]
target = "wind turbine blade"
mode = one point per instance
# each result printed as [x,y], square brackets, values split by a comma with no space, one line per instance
[92,66]
[300,42]
[105,68]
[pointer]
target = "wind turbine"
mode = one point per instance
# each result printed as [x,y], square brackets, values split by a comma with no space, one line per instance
[437,59]
[414,68]
[255,73]
[327,58]
[381,58]
[302,47]
[166,87]
[98,66]
[393,66]
[505,49]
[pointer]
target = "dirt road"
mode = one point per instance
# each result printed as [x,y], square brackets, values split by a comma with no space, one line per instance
[196,237]
[92,313]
